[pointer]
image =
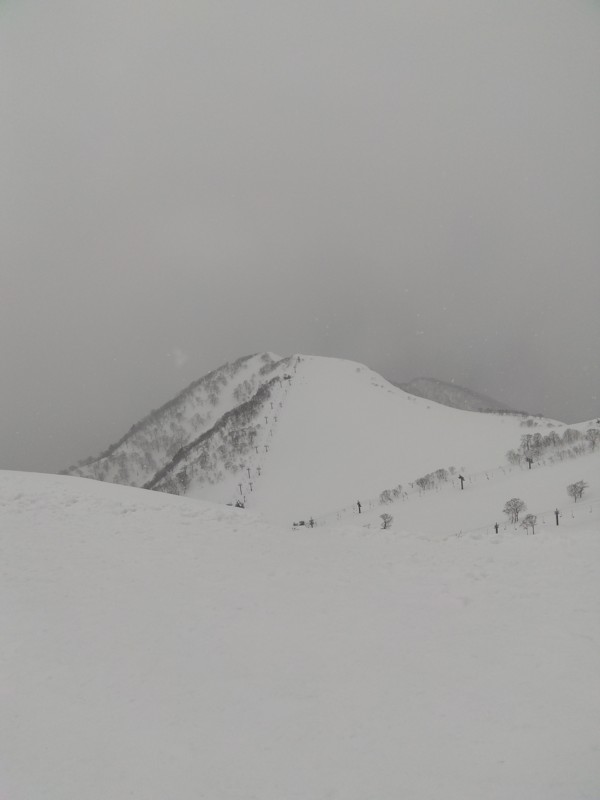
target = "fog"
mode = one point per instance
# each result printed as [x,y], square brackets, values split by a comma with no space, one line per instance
[414,185]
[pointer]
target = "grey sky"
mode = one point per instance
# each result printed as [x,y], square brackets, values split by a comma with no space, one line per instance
[410,183]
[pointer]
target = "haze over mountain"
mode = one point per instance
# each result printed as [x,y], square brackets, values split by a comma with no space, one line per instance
[450,394]
[411,185]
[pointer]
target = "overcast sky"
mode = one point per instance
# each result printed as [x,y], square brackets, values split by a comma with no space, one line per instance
[414,184]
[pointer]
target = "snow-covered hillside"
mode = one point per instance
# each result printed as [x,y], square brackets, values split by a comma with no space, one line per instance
[305,436]
[158,647]
[450,394]
[151,443]
[338,432]
[446,510]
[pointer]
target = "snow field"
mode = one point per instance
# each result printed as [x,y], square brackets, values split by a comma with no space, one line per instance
[450,511]
[157,647]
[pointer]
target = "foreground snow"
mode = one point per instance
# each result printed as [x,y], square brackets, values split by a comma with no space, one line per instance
[154,647]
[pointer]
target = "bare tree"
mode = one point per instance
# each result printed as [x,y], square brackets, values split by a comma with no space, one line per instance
[426,482]
[571,435]
[576,490]
[512,508]
[593,437]
[513,457]
[537,441]
[386,521]
[529,521]
[526,440]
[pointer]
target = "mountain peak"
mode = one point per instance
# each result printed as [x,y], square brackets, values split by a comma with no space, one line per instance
[299,436]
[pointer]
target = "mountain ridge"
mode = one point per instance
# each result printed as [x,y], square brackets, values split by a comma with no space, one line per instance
[455,396]
[154,440]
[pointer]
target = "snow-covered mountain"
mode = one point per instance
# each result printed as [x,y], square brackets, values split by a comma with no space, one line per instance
[450,394]
[304,436]
[152,443]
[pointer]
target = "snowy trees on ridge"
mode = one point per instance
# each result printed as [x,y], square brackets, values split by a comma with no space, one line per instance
[535,446]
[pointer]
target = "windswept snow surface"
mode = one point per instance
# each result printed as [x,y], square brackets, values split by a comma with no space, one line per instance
[155,647]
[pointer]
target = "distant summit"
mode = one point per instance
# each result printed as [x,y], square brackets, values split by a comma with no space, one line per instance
[300,436]
[449,394]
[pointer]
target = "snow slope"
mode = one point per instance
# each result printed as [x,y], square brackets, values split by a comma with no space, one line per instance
[345,433]
[153,441]
[157,647]
[448,510]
